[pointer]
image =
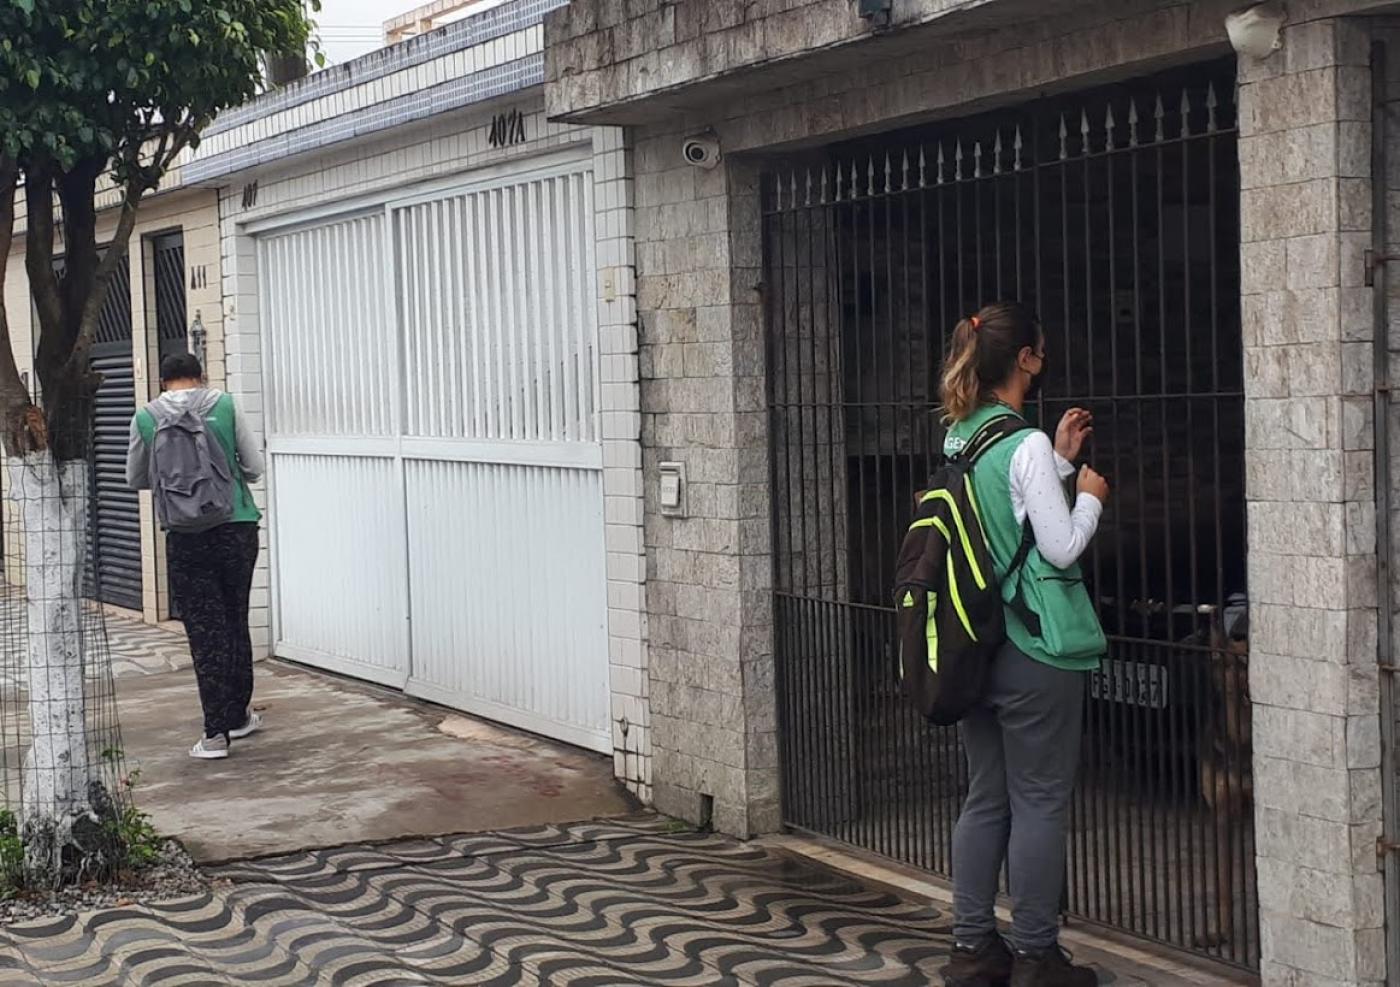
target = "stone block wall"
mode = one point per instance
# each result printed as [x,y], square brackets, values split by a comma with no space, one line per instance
[1305,176]
[708,574]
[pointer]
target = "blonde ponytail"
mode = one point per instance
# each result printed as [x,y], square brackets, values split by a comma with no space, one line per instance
[982,356]
[960,390]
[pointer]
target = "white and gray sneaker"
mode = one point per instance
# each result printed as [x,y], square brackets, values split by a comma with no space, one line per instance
[250,726]
[210,748]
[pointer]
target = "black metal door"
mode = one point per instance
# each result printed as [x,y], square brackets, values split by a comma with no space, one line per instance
[168,256]
[117,511]
[1114,213]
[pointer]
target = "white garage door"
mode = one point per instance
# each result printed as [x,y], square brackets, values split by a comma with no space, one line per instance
[436,469]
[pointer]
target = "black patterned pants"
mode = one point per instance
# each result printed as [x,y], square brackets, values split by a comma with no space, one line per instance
[211,576]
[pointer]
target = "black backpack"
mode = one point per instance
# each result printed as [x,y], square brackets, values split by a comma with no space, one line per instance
[948,599]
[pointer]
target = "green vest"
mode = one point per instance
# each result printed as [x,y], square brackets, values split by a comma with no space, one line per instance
[1071,636]
[220,421]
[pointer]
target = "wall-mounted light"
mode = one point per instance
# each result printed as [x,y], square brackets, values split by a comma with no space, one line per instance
[877,12]
[199,340]
[1256,31]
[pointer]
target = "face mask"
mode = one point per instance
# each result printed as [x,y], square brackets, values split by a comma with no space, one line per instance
[1034,388]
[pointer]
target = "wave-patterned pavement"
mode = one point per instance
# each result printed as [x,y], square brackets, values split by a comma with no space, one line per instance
[603,904]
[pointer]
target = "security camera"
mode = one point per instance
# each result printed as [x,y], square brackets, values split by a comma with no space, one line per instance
[701,151]
[1256,31]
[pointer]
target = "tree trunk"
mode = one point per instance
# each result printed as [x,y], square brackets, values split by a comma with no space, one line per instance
[52,501]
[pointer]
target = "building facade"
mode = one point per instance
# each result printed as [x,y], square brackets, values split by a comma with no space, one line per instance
[430,317]
[1194,229]
[166,298]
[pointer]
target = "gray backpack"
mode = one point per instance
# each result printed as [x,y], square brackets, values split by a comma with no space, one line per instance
[190,476]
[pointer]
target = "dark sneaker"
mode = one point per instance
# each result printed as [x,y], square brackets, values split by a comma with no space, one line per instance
[1051,967]
[987,965]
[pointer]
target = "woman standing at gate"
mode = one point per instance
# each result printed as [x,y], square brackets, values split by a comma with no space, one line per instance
[1022,739]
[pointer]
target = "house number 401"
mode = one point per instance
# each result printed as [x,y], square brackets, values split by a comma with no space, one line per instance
[507,129]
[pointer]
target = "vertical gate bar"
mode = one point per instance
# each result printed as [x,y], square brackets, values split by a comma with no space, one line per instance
[855,457]
[918,749]
[1036,172]
[1115,716]
[879,691]
[1068,358]
[979,296]
[1147,855]
[899,722]
[799,600]
[811,607]
[996,186]
[842,512]
[960,252]
[1195,837]
[1095,798]
[797,504]
[1173,726]
[1017,180]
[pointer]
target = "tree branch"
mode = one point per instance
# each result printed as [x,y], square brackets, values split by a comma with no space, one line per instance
[38,254]
[115,254]
[14,396]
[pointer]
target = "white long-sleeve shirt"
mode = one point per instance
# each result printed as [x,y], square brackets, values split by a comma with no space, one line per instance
[1038,474]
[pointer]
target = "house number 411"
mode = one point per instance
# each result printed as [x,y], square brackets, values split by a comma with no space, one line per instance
[507,129]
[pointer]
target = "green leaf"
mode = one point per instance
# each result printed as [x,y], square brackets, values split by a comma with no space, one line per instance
[32,77]
[25,5]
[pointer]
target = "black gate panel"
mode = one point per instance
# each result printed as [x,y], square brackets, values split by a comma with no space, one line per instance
[1115,214]
[168,255]
[117,509]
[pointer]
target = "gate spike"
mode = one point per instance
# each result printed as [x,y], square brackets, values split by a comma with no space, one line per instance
[906,170]
[809,186]
[1064,138]
[923,167]
[1084,132]
[855,180]
[1018,146]
[996,154]
[1132,122]
[823,199]
[1211,104]
[1161,113]
[1108,126]
[957,161]
[778,181]
[941,162]
[977,159]
[1185,112]
[793,200]
[889,172]
[840,174]
[870,176]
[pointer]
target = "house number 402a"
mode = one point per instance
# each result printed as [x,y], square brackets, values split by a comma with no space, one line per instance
[507,129]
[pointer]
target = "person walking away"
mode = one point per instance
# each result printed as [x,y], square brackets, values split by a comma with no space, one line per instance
[195,453]
[1022,739]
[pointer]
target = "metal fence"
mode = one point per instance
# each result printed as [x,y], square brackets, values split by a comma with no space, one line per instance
[1114,213]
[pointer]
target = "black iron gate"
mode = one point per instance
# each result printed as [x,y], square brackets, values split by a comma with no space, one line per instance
[117,527]
[168,256]
[1115,214]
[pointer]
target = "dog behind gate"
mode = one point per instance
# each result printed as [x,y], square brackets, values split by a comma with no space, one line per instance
[1226,759]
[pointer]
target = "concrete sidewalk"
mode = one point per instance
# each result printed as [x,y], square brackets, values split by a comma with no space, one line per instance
[340,763]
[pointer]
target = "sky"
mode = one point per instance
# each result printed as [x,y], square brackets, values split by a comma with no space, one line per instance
[350,28]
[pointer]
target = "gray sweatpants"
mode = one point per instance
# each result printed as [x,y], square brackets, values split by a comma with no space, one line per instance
[1022,746]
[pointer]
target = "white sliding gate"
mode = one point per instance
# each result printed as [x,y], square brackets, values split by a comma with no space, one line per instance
[436,466]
